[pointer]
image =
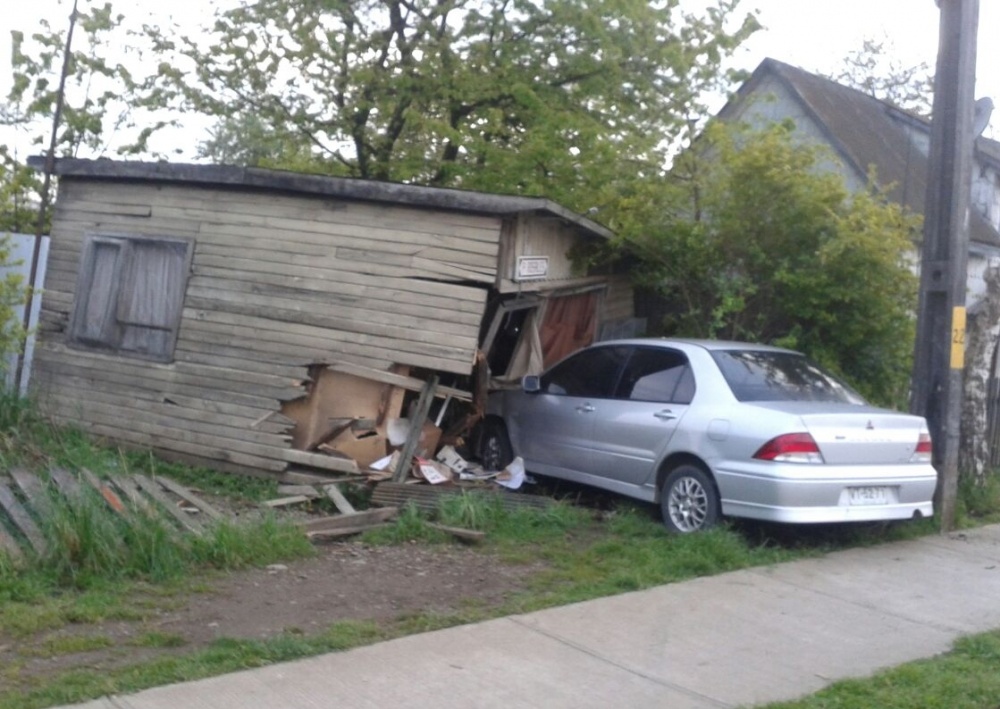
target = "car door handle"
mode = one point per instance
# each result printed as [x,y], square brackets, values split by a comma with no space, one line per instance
[665,415]
[585,408]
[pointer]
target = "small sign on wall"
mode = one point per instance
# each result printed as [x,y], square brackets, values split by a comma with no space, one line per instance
[531,268]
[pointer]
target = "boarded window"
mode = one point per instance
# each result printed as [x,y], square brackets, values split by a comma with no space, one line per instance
[130,294]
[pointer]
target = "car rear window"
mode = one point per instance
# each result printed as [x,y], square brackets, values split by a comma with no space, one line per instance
[755,375]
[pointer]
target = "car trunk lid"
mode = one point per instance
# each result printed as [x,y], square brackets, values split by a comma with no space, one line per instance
[858,435]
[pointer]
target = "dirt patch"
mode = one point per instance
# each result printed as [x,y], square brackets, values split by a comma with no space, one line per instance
[344,581]
[348,581]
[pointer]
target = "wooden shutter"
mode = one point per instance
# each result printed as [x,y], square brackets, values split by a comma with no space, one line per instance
[152,296]
[94,322]
[130,295]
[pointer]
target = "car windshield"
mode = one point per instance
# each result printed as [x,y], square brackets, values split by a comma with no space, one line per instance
[756,375]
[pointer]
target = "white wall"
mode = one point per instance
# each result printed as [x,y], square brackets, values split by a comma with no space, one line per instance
[22,248]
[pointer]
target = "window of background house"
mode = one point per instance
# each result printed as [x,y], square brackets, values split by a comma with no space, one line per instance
[130,294]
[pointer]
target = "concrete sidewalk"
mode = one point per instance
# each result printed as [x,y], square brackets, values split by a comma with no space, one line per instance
[741,638]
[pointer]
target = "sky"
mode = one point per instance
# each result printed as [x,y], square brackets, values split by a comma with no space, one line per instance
[813,34]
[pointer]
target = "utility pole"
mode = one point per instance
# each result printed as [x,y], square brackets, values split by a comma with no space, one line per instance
[939,356]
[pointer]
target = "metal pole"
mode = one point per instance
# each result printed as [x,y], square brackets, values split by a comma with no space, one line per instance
[50,160]
[940,347]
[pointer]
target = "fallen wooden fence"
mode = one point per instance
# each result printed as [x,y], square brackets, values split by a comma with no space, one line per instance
[27,499]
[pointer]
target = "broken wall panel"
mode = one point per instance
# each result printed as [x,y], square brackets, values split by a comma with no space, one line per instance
[333,402]
[258,306]
[278,277]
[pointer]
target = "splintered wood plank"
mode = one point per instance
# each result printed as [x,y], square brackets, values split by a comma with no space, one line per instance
[21,519]
[131,491]
[416,427]
[318,460]
[302,477]
[186,494]
[114,502]
[68,485]
[334,493]
[304,490]
[345,531]
[399,380]
[358,519]
[469,535]
[286,501]
[33,489]
[153,490]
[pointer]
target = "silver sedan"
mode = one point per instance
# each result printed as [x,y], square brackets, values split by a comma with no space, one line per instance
[708,428]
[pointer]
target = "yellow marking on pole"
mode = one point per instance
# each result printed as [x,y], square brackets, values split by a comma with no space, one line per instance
[958,337]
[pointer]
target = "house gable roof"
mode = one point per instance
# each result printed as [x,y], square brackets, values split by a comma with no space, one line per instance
[864,132]
[320,185]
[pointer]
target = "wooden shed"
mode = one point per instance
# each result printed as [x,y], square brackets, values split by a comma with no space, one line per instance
[189,308]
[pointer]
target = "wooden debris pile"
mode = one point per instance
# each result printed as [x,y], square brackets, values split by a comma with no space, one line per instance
[27,498]
[388,498]
[351,427]
[349,520]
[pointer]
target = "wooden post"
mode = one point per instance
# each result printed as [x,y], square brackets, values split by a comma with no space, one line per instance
[940,346]
[416,427]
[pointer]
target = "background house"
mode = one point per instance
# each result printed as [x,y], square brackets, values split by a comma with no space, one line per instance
[195,309]
[863,133]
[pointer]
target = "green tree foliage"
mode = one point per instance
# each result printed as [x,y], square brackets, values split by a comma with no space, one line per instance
[554,97]
[96,110]
[765,245]
[19,189]
[93,112]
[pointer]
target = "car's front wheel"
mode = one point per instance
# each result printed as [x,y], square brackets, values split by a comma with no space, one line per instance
[495,452]
[689,500]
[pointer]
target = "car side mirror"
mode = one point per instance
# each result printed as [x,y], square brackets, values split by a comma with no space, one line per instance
[531,383]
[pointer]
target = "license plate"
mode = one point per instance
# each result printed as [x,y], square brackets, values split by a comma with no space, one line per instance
[868,495]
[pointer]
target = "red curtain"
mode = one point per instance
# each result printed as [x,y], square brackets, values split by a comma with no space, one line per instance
[570,323]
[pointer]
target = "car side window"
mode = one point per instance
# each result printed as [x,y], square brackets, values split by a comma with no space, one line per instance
[657,375]
[592,372]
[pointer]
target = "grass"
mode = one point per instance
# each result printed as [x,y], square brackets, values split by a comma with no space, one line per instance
[71,645]
[27,440]
[968,677]
[89,547]
[224,655]
[95,560]
[979,504]
[587,554]
[103,567]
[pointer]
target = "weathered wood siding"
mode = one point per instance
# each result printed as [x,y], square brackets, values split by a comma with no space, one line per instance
[277,283]
[529,235]
[619,298]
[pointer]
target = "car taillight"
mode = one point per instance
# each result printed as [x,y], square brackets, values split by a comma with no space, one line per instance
[790,448]
[924,449]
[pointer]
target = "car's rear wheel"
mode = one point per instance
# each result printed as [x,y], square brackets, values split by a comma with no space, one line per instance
[495,452]
[689,500]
